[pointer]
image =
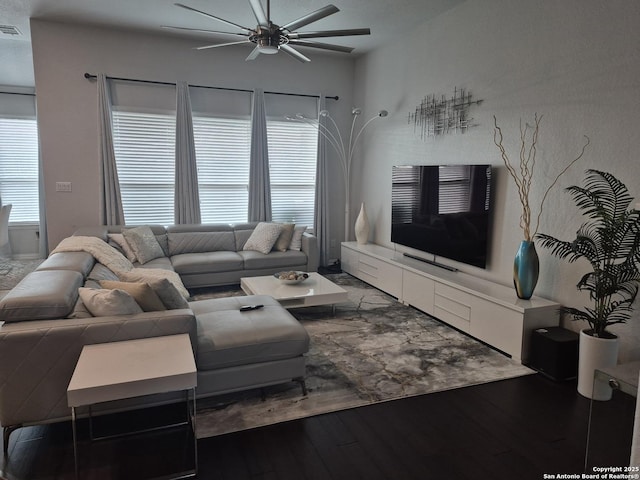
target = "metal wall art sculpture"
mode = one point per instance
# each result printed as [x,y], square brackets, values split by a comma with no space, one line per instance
[444,115]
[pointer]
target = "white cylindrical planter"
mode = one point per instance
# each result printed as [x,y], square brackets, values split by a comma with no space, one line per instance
[362,226]
[595,353]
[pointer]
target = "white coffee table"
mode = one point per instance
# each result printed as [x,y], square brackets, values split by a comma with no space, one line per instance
[134,368]
[315,290]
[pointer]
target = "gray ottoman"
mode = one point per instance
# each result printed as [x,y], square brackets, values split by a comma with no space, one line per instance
[238,350]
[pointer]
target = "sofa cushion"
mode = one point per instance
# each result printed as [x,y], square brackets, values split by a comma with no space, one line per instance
[141,292]
[283,241]
[77,261]
[144,243]
[42,295]
[258,261]
[104,303]
[189,263]
[228,337]
[199,242]
[263,237]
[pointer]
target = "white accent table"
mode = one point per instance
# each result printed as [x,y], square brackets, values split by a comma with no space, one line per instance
[134,368]
[315,290]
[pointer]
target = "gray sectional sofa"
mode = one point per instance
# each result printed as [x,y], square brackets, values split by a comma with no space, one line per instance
[45,324]
[210,255]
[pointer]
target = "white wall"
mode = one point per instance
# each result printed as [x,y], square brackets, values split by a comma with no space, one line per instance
[67,112]
[577,62]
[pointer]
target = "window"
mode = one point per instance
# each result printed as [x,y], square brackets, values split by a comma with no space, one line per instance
[19,168]
[223,148]
[293,151]
[144,146]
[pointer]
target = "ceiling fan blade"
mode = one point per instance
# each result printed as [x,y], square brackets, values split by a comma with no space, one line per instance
[310,18]
[253,55]
[324,46]
[204,31]
[216,45]
[258,11]
[213,16]
[330,33]
[294,53]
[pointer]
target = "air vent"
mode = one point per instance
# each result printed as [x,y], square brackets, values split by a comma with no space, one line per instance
[9,30]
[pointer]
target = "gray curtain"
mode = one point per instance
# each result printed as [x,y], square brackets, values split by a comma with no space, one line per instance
[111,209]
[259,185]
[43,238]
[187,197]
[321,214]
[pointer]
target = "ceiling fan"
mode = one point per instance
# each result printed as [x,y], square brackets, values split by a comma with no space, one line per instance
[270,38]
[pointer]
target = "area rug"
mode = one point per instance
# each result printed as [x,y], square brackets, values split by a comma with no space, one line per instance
[12,271]
[373,349]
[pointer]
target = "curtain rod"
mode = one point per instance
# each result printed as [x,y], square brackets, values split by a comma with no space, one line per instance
[90,76]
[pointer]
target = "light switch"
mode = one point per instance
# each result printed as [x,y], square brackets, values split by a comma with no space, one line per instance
[63,186]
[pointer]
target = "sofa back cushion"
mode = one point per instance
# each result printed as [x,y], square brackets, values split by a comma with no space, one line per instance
[42,295]
[81,262]
[199,242]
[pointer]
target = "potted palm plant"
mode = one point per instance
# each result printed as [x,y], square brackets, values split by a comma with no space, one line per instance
[610,241]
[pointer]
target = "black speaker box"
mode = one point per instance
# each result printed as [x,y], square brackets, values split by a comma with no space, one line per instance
[554,353]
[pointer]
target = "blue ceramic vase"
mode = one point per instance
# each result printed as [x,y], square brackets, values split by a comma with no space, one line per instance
[526,267]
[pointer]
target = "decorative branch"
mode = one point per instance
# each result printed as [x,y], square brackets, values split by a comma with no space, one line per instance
[527,164]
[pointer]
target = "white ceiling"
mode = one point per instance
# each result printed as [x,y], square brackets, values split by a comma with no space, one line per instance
[386,18]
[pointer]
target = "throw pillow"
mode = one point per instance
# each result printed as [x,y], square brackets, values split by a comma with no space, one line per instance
[168,293]
[148,275]
[80,310]
[142,293]
[296,238]
[117,241]
[103,303]
[100,272]
[143,243]
[284,240]
[263,238]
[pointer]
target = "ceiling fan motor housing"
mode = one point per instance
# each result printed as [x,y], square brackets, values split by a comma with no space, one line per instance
[268,39]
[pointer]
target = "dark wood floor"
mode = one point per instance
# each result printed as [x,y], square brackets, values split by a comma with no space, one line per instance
[512,429]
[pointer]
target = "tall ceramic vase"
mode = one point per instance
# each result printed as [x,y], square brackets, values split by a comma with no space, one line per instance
[526,268]
[362,226]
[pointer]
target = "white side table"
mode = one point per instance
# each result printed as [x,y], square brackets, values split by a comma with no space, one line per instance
[623,378]
[134,368]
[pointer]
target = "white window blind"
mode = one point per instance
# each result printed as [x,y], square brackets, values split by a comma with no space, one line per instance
[454,188]
[293,151]
[405,194]
[19,168]
[223,148]
[144,145]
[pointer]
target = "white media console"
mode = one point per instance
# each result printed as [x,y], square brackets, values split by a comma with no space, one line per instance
[483,309]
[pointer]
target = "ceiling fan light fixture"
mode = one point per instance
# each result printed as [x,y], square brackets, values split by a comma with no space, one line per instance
[268,49]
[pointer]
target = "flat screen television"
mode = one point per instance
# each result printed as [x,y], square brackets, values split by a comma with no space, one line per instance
[442,210]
